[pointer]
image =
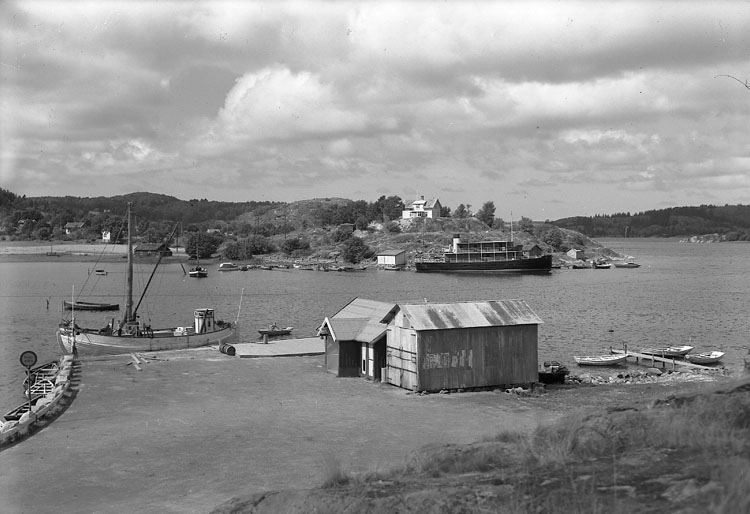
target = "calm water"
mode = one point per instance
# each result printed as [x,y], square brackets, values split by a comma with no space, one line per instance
[697,293]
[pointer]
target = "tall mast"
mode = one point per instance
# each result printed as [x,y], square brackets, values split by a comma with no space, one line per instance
[129,285]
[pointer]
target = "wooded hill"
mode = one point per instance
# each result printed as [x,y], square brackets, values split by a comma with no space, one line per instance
[730,221]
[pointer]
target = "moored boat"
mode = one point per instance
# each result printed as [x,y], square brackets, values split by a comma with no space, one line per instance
[198,272]
[485,256]
[669,351]
[275,330]
[78,305]
[131,335]
[228,266]
[600,360]
[626,264]
[552,372]
[704,357]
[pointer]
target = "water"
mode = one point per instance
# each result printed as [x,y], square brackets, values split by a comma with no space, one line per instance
[682,293]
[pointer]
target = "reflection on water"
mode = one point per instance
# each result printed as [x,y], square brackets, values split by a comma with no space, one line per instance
[682,293]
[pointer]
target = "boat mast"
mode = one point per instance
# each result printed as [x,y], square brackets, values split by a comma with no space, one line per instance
[128,316]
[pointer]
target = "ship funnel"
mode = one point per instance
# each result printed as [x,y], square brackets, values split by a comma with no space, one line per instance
[204,321]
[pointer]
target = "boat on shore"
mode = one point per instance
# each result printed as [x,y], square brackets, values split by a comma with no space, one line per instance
[552,372]
[600,360]
[131,335]
[704,357]
[78,305]
[669,351]
[626,264]
[485,256]
[228,266]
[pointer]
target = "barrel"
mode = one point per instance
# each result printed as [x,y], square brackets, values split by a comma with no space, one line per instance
[227,349]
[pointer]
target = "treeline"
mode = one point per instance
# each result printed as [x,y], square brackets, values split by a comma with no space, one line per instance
[732,222]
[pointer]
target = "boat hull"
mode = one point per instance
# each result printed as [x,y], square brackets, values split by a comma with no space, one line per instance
[93,344]
[672,351]
[541,264]
[705,358]
[603,360]
[90,306]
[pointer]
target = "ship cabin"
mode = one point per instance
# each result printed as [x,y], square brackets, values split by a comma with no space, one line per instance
[482,251]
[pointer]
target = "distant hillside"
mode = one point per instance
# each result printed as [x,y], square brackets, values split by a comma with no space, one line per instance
[731,222]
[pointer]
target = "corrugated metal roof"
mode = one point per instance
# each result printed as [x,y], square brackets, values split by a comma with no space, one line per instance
[363,308]
[391,252]
[346,329]
[440,316]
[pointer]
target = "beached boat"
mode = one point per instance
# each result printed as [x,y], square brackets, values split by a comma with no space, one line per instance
[626,264]
[228,266]
[79,305]
[669,351]
[552,372]
[704,357]
[600,360]
[485,256]
[275,330]
[129,335]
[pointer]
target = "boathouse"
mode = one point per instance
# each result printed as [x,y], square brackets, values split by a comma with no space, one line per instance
[392,258]
[355,339]
[152,249]
[431,347]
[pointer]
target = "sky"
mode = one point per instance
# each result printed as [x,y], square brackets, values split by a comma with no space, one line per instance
[547,109]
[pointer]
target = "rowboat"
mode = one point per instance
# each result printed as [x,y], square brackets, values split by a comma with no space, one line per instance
[600,360]
[669,351]
[274,330]
[79,305]
[704,357]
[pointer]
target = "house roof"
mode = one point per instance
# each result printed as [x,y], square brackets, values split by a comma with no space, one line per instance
[439,316]
[426,204]
[74,224]
[391,252]
[364,308]
[360,320]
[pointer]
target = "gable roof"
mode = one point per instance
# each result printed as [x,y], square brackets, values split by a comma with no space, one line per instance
[364,308]
[425,204]
[439,316]
[392,252]
[360,320]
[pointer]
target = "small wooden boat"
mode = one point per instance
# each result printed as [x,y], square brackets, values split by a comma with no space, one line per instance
[100,272]
[626,264]
[228,266]
[669,351]
[704,357]
[553,373]
[89,306]
[274,330]
[198,272]
[600,360]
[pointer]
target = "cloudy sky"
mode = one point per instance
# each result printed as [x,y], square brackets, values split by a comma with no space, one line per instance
[548,109]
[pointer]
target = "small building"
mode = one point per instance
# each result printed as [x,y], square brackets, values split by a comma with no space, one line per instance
[576,254]
[355,339]
[73,227]
[422,209]
[431,347]
[106,236]
[533,251]
[152,250]
[392,258]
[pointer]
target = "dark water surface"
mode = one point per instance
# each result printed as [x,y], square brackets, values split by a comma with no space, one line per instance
[682,293]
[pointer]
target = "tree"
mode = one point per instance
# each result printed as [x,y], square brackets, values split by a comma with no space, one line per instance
[445,211]
[294,246]
[355,250]
[202,245]
[526,225]
[461,211]
[487,213]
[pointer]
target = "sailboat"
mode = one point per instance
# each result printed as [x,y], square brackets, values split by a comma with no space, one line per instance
[129,335]
[197,271]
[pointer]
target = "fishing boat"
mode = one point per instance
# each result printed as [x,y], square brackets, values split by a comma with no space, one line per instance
[485,256]
[669,351]
[704,357]
[80,305]
[275,330]
[600,360]
[131,335]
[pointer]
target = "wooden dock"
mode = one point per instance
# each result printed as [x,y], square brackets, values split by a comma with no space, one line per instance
[652,360]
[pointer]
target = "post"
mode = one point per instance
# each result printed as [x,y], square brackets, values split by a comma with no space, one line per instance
[265,338]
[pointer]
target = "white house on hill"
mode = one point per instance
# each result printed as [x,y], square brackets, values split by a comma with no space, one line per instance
[422,209]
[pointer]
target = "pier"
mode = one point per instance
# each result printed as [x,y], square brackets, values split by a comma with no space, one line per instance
[653,359]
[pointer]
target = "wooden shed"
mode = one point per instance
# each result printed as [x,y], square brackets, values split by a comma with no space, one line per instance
[392,258]
[152,249]
[431,347]
[355,339]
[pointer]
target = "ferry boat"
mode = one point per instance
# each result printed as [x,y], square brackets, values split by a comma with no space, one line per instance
[485,256]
